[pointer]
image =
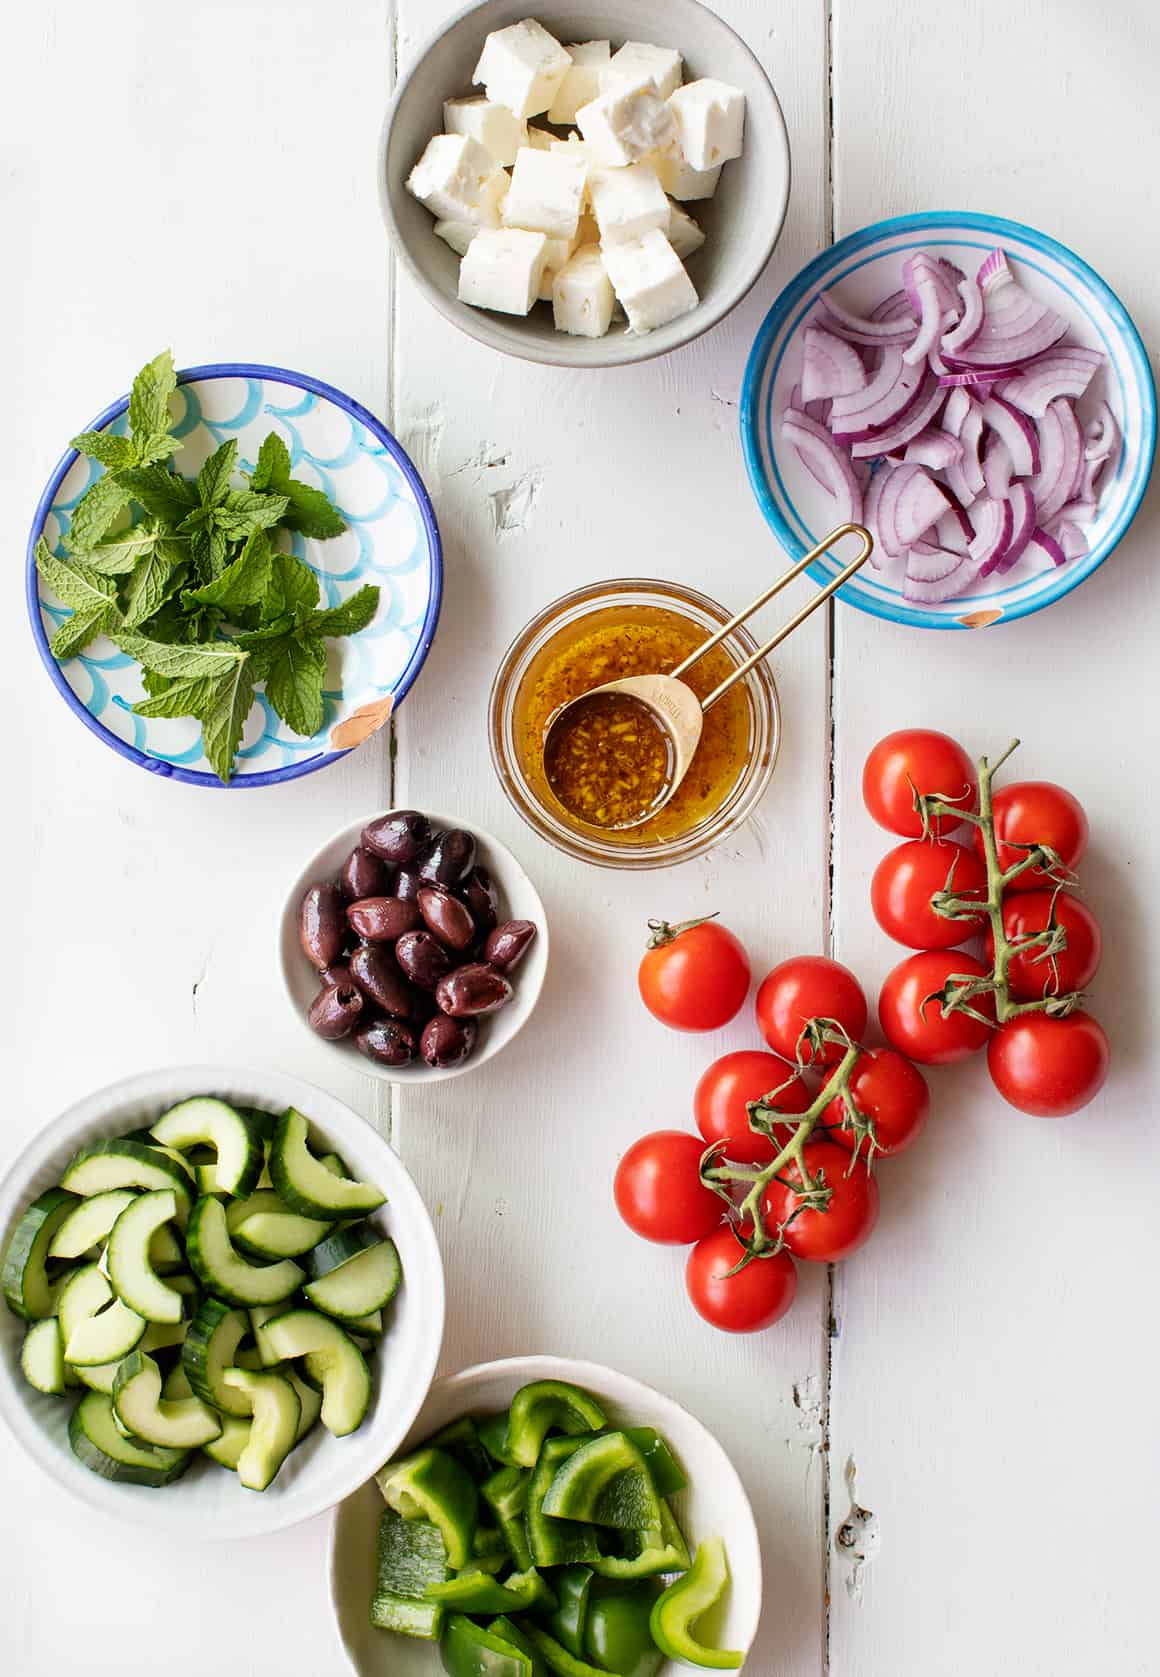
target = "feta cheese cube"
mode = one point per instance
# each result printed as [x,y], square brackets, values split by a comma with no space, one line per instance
[681,181]
[648,277]
[637,62]
[456,179]
[621,126]
[457,234]
[546,192]
[522,67]
[710,118]
[556,254]
[684,234]
[628,202]
[582,298]
[496,128]
[503,270]
[582,81]
[540,139]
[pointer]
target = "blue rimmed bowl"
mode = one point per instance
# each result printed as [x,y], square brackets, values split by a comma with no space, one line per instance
[866,267]
[392,540]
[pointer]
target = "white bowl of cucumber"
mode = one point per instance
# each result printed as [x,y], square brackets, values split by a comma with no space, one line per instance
[712,1503]
[200,1267]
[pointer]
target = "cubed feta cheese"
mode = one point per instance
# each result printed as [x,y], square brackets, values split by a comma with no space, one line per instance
[522,67]
[648,277]
[546,192]
[621,126]
[628,202]
[457,234]
[503,270]
[456,179]
[556,253]
[582,81]
[498,130]
[679,179]
[710,117]
[684,234]
[638,62]
[582,298]
[540,139]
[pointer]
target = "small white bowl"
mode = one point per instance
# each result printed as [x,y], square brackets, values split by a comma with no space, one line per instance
[715,1503]
[518,900]
[208,1502]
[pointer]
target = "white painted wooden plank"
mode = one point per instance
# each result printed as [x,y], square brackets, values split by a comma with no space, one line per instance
[994,1334]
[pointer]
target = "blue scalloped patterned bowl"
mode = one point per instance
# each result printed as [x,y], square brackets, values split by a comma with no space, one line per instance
[392,540]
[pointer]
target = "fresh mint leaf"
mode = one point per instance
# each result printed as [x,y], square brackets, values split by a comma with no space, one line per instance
[76,632]
[158,447]
[208,544]
[149,401]
[111,451]
[189,697]
[95,511]
[272,467]
[166,658]
[162,493]
[294,679]
[242,512]
[223,718]
[149,584]
[213,481]
[117,555]
[244,582]
[293,590]
[348,617]
[309,511]
[91,596]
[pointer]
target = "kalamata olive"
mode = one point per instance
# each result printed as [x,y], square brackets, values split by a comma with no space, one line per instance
[509,943]
[335,1010]
[338,972]
[446,1041]
[382,919]
[321,925]
[481,897]
[373,970]
[447,858]
[422,959]
[364,875]
[399,836]
[473,989]
[446,917]
[407,884]
[386,1041]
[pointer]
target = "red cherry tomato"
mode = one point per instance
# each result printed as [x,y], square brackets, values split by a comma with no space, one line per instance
[1049,1067]
[1036,812]
[695,978]
[754,1298]
[1027,912]
[659,1192]
[825,1236]
[888,1089]
[809,987]
[921,1032]
[724,1091]
[916,760]
[907,878]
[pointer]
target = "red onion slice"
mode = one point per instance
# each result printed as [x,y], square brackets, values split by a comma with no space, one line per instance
[914,419]
[970,320]
[1072,541]
[934,593]
[1064,371]
[998,466]
[954,529]
[858,331]
[1102,435]
[909,503]
[993,271]
[1022,504]
[1048,546]
[828,463]
[931,296]
[963,418]
[927,563]
[1015,326]
[1061,459]
[933,448]
[830,366]
[889,394]
[994,523]
[1017,431]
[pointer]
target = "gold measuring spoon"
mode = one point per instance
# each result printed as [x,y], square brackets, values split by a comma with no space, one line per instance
[675,710]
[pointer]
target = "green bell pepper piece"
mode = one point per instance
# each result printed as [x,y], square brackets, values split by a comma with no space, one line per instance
[509,1632]
[411,1555]
[617,1637]
[461,1440]
[544,1406]
[677,1608]
[506,1492]
[489,1550]
[467,1650]
[555,1656]
[573,1585]
[492,1431]
[423,1619]
[606,1483]
[667,1474]
[645,1554]
[556,1542]
[476,1592]
[432,1485]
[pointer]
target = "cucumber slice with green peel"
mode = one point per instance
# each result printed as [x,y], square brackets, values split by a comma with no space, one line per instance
[180,1424]
[89,1223]
[259,1315]
[206,1122]
[370,1326]
[605,1483]
[165,1251]
[555,1541]
[95,1326]
[310,1403]
[361,1285]
[334,1250]
[176,1385]
[97,1443]
[226,1451]
[263,1225]
[129,1266]
[432,1485]
[42,1357]
[330,1359]
[162,1336]
[210,1348]
[262,1123]
[207,1182]
[223,1272]
[274,1431]
[98,1379]
[305,1183]
[121,1163]
[27,1289]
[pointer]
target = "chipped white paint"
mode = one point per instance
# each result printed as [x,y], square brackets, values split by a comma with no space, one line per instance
[511,508]
[858,1538]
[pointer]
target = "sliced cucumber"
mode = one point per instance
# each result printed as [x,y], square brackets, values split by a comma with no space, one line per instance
[89,1223]
[260,1314]
[210,1349]
[97,1443]
[341,1246]
[42,1357]
[305,1183]
[121,1163]
[207,1182]
[176,1385]
[161,1336]
[264,1225]
[361,1285]
[183,1424]
[223,1272]
[95,1326]
[332,1359]
[310,1401]
[371,1325]
[262,1123]
[205,1122]
[226,1451]
[165,1252]
[130,1268]
[99,1378]
[274,1432]
[26,1286]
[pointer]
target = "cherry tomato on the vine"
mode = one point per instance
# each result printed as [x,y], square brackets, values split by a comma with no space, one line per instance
[849,1218]
[1049,1067]
[920,1031]
[1036,812]
[659,1192]
[916,760]
[809,987]
[889,1090]
[908,877]
[726,1087]
[1027,912]
[754,1298]
[694,977]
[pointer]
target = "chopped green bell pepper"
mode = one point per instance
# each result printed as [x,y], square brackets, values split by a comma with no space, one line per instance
[423,1619]
[556,1542]
[461,1440]
[432,1485]
[489,1550]
[572,1585]
[645,1554]
[555,1656]
[411,1555]
[492,1431]
[506,1493]
[677,1608]
[467,1650]
[509,1632]
[667,1474]
[617,1637]
[476,1592]
[606,1483]
[545,1406]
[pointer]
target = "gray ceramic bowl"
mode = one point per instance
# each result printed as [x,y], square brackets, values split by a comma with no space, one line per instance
[742,220]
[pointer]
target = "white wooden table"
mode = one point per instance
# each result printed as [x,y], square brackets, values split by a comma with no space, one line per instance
[204,176]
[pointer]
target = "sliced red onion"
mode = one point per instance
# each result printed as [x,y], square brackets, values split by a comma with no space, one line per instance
[963,418]
[934,448]
[1064,371]
[1102,435]
[1072,542]
[934,593]
[889,394]
[970,319]
[1022,503]
[993,270]
[931,296]
[1048,546]
[1076,512]
[1015,326]
[895,307]
[870,500]
[927,563]
[859,331]
[1017,431]
[822,455]
[1061,459]
[915,419]
[954,529]
[830,366]
[998,466]
[910,502]
[994,523]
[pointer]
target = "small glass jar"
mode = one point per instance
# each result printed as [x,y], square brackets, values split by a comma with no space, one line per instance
[553,628]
